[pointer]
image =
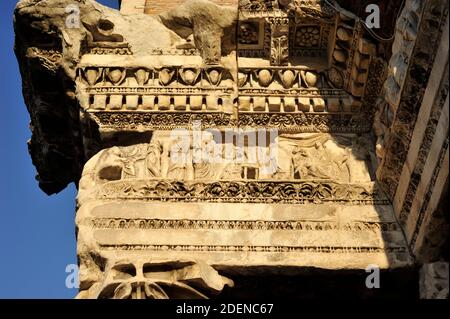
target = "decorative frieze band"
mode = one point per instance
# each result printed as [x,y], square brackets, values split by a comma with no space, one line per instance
[429,193]
[303,225]
[302,192]
[285,122]
[112,51]
[306,122]
[425,147]
[259,249]
[420,65]
[159,120]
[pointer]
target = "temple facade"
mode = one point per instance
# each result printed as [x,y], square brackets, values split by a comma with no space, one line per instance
[244,148]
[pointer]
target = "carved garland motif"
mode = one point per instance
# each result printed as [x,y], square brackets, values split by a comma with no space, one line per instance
[306,122]
[376,76]
[245,192]
[113,51]
[301,122]
[257,5]
[160,120]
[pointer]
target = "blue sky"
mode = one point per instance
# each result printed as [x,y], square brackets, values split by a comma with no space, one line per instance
[37,232]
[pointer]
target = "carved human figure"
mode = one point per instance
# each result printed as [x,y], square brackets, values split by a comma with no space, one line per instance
[334,160]
[180,159]
[153,161]
[203,165]
[132,158]
[317,162]
[233,167]
[268,163]
[305,166]
[284,164]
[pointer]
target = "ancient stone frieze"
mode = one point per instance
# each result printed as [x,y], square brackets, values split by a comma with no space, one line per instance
[126,120]
[428,194]
[416,74]
[110,51]
[211,140]
[164,88]
[305,123]
[251,192]
[164,76]
[287,121]
[188,156]
[425,148]
[304,225]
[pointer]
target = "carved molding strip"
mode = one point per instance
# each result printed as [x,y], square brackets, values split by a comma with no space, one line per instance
[300,225]
[101,79]
[302,192]
[357,35]
[113,51]
[306,122]
[259,249]
[130,90]
[421,63]
[299,122]
[159,120]
[376,77]
[165,51]
[429,193]
[425,147]
[322,93]
[248,14]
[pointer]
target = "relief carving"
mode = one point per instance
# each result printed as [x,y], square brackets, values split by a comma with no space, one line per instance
[404,91]
[129,279]
[147,121]
[300,169]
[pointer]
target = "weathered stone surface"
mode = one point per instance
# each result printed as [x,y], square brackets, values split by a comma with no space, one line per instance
[412,127]
[434,281]
[317,208]
[100,46]
[213,140]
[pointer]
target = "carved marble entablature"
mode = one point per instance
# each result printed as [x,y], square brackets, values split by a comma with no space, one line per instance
[275,165]
[305,44]
[212,141]
[287,89]
[297,66]
[285,30]
[136,248]
[162,88]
